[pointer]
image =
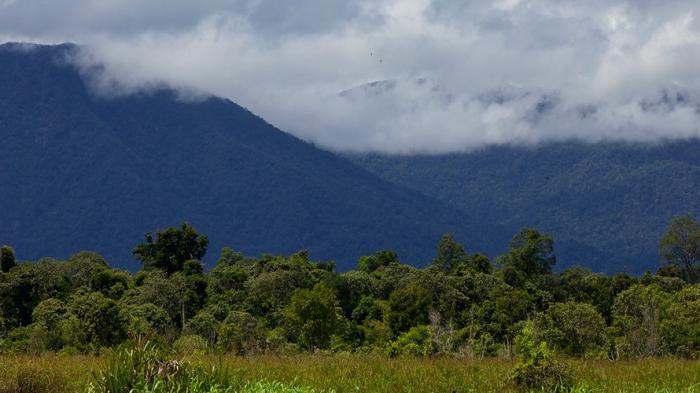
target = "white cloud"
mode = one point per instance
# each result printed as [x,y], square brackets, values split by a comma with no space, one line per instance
[462,74]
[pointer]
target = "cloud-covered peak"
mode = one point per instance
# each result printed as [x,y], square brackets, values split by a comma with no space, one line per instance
[402,75]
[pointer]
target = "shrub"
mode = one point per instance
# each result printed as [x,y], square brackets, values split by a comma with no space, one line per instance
[190,344]
[16,341]
[33,379]
[576,329]
[204,325]
[240,333]
[144,369]
[536,368]
[476,346]
[415,342]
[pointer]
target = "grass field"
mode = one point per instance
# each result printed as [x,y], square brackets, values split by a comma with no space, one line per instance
[362,373]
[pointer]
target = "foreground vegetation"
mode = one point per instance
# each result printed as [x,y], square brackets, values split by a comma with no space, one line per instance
[477,323]
[363,373]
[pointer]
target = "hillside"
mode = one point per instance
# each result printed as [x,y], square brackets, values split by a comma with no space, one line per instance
[80,171]
[606,204]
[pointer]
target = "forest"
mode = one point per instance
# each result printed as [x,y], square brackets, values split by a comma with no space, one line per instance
[460,305]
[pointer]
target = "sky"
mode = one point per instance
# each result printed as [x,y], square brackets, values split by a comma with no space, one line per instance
[400,76]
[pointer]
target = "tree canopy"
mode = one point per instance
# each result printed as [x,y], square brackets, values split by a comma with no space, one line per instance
[680,245]
[460,303]
[171,248]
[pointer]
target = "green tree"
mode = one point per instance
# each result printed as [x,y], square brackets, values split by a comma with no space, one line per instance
[450,254]
[269,292]
[171,248]
[680,245]
[531,253]
[415,342]
[229,257]
[408,307]
[192,294]
[47,315]
[240,333]
[154,287]
[227,278]
[146,321]
[537,369]
[7,259]
[577,329]
[93,321]
[638,313]
[508,306]
[583,286]
[367,308]
[204,325]
[351,287]
[681,327]
[311,317]
[83,267]
[370,263]
[479,263]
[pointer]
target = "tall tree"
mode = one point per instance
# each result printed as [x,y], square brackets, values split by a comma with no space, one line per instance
[7,259]
[638,314]
[531,253]
[373,262]
[680,245]
[171,248]
[450,254]
[311,317]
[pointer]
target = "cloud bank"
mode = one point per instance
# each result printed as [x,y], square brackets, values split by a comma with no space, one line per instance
[402,75]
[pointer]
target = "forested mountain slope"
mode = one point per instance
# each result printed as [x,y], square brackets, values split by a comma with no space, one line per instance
[606,204]
[81,171]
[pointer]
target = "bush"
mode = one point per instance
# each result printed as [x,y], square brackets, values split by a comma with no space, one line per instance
[576,329]
[16,341]
[204,325]
[240,333]
[190,344]
[144,369]
[481,346]
[33,379]
[415,342]
[536,368]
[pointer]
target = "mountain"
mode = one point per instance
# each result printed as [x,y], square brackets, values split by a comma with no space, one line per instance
[81,171]
[606,204]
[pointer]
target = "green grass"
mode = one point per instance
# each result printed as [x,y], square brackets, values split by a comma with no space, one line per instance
[353,373]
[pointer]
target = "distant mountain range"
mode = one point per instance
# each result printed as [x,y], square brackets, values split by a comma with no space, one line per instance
[80,171]
[606,204]
[532,104]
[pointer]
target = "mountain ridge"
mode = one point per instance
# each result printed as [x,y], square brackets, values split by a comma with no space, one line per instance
[91,172]
[605,204]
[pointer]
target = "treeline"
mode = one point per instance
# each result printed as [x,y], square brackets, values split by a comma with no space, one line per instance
[461,303]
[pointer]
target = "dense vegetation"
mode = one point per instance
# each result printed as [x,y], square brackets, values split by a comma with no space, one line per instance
[461,304]
[83,171]
[605,203]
